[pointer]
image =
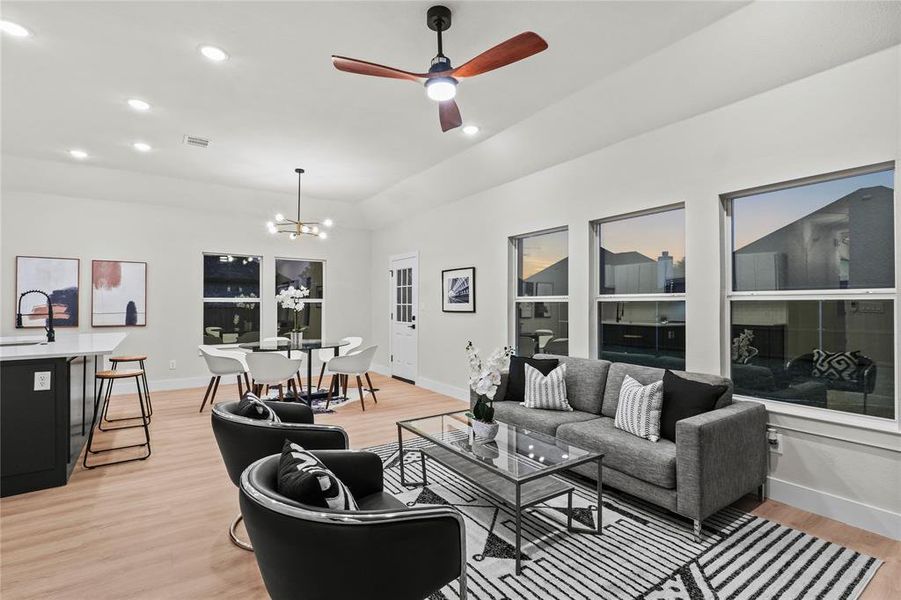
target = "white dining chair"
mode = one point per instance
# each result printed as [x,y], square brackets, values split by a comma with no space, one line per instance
[356,364]
[272,369]
[327,354]
[223,363]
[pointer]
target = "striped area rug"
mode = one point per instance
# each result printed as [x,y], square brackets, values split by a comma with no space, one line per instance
[644,552]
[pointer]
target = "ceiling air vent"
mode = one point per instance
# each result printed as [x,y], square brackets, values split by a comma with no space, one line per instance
[193,140]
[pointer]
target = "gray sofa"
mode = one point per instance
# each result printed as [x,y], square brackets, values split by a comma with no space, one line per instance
[717,458]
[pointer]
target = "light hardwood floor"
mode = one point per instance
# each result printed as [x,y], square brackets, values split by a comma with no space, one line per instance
[158,528]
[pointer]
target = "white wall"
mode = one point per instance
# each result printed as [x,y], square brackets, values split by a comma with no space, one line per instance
[840,118]
[172,240]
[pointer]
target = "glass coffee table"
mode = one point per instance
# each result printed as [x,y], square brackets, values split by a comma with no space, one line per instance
[516,467]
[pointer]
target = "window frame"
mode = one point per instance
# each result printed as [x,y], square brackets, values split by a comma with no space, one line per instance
[246,300]
[320,301]
[513,281]
[729,295]
[597,298]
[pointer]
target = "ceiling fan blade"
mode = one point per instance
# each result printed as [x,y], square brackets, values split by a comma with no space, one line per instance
[449,115]
[516,48]
[361,67]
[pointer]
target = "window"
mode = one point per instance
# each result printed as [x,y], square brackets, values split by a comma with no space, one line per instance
[541,303]
[812,300]
[640,288]
[231,298]
[297,273]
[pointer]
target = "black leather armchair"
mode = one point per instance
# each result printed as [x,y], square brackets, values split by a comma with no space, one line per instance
[398,552]
[242,441]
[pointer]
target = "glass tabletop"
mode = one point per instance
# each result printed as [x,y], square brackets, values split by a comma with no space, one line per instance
[302,345]
[516,453]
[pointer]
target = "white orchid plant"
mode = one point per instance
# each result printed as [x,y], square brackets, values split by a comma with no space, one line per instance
[292,299]
[484,378]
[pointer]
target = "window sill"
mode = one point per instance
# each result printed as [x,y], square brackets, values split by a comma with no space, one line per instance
[825,415]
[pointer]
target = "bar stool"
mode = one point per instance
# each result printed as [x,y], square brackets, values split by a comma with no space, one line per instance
[107,377]
[138,358]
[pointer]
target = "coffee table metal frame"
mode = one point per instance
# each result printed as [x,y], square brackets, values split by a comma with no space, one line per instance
[479,474]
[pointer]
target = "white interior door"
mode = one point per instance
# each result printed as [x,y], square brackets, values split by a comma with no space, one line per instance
[404,307]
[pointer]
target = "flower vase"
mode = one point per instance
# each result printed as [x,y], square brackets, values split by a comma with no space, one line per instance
[484,432]
[296,338]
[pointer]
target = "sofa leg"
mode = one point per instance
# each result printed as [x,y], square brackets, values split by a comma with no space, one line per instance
[697,530]
[761,492]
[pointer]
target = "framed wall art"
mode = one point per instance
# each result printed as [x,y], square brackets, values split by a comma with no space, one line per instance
[458,288]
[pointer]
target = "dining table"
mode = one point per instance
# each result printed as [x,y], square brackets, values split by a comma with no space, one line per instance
[304,345]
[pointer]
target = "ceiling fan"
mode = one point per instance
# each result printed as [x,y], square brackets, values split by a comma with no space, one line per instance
[441,78]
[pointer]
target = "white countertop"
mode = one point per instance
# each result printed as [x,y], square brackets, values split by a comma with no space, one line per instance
[66,344]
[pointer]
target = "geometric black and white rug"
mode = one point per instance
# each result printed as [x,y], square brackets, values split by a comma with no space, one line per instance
[644,552]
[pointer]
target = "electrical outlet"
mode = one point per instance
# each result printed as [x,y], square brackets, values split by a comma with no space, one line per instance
[774,440]
[41,381]
[171,365]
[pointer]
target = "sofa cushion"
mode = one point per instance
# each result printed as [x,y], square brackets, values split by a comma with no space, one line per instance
[653,462]
[542,421]
[585,381]
[648,375]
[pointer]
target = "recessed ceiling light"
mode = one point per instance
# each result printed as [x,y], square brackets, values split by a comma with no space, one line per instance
[213,53]
[471,129]
[141,147]
[14,29]
[79,154]
[138,104]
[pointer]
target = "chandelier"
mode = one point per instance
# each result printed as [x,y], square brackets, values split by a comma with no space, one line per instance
[297,228]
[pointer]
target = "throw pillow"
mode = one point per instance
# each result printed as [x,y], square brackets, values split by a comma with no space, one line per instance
[252,407]
[840,366]
[639,408]
[516,379]
[684,398]
[303,477]
[546,392]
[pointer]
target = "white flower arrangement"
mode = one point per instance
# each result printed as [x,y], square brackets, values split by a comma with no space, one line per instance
[292,299]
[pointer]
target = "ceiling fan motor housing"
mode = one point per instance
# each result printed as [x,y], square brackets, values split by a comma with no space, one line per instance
[438,18]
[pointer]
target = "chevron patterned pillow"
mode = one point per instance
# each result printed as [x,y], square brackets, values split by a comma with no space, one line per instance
[639,408]
[835,365]
[546,392]
[303,477]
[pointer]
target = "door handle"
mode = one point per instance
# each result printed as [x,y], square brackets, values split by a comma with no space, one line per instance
[413,326]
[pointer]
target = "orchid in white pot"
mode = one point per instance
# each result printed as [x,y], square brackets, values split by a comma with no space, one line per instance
[292,299]
[484,378]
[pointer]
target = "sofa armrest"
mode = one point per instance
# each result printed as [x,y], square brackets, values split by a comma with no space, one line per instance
[360,471]
[498,395]
[721,455]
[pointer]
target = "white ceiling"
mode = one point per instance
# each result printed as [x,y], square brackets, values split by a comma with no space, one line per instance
[278,103]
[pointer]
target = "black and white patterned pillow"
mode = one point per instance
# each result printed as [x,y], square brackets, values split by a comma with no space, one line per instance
[835,365]
[546,392]
[252,407]
[639,408]
[303,477]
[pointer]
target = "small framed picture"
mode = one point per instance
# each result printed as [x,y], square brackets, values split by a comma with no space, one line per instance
[459,290]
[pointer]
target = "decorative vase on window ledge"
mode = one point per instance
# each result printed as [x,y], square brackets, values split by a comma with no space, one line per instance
[292,299]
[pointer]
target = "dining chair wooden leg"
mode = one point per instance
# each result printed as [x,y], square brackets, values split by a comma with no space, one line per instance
[207,394]
[247,382]
[321,374]
[215,389]
[281,393]
[360,390]
[345,378]
[328,398]
[371,389]
[240,388]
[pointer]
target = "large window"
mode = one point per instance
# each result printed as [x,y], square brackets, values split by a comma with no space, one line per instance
[231,298]
[812,300]
[308,274]
[541,311]
[640,288]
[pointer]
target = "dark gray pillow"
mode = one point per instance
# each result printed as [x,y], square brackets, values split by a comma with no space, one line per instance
[684,398]
[302,477]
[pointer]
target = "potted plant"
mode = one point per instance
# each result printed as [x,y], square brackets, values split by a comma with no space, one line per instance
[292,299]
[484,377]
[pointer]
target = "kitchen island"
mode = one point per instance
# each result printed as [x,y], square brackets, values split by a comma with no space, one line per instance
[46,405]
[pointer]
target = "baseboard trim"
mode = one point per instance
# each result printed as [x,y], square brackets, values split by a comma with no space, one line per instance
[443,388]
[162,385]
[872,518]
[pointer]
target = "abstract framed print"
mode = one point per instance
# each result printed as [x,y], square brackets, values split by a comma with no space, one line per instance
[56,277]
[458,288]
[118,293]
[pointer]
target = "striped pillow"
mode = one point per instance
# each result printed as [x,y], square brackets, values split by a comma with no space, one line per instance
[547,392]
[639,408]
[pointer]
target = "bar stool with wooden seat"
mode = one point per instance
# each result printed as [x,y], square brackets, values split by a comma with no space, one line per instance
[107,378]
[138,358]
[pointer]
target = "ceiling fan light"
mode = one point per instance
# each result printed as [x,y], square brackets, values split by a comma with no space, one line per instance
[441,89]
